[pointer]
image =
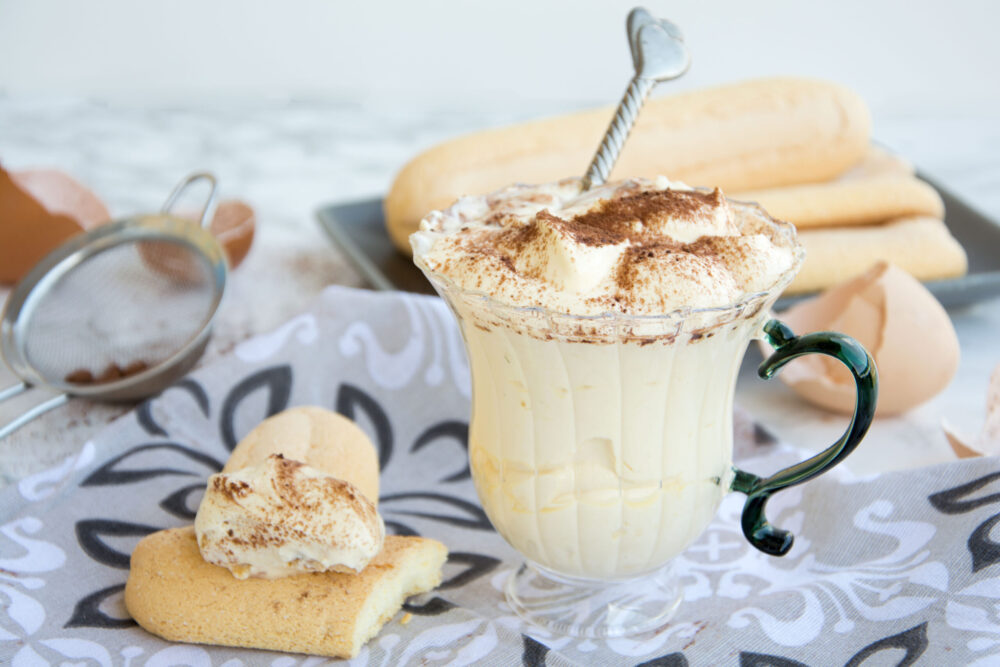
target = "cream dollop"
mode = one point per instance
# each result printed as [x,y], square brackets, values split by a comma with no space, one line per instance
[638,247]
[282,517]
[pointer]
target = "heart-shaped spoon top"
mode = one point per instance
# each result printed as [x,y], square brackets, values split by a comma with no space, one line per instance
[658,54]
[657,46]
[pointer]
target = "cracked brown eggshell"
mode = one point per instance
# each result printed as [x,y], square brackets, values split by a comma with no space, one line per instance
[232,225]
[897,320]
[39,210]
[987,443]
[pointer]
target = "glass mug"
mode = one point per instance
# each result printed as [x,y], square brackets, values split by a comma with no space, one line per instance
[601,446]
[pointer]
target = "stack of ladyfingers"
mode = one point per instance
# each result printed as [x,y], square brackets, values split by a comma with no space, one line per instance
[801,148]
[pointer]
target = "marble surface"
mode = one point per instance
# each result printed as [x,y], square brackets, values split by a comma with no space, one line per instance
[287,160]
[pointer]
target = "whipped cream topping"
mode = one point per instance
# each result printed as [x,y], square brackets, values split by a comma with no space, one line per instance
[283,517]
[637,247]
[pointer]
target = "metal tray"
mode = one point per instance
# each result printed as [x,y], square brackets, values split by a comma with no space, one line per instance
[359,230]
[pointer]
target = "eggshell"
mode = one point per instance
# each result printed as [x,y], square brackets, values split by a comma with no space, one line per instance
[232,225]
[897,320]
[40,209]
[987,443]
[959,446]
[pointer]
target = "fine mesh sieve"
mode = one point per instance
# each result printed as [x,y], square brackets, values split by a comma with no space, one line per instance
[118,313]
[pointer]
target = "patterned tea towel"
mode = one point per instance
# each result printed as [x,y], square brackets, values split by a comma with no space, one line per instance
[900,568]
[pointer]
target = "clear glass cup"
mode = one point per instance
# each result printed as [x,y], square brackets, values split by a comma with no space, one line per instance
[601,446]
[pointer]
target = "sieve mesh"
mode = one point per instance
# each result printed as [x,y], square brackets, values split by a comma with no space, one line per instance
[124,309]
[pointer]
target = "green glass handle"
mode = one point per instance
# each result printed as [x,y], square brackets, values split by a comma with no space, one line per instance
[788,346]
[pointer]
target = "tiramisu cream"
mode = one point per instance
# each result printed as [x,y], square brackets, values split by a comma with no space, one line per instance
[282,517]
[604,330]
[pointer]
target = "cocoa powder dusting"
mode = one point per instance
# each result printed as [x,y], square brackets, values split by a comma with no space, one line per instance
[614,220]
[293,490]
[592,231]
[720,246]
[110,373]
[515,239]
[626,275]
[631,249]
[611,222]
[229,488]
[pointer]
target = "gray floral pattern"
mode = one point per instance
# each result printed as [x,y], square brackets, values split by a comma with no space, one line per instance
[898,569]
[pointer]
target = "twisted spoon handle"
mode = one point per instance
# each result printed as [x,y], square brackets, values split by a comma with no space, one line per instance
[617,132]
[658,54]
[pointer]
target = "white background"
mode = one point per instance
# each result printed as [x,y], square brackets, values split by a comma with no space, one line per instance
[911,60]
[898,55]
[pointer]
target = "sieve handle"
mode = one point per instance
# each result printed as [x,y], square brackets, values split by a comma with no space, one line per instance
[13,390]
[208,209]
[30,413]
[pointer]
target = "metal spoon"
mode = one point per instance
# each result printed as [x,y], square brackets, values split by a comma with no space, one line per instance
[658,54]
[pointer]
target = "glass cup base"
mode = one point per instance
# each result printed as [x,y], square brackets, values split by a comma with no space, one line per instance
[584,608]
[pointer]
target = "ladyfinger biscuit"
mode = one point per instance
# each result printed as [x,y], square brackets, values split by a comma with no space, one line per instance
[740,136]
[318,437]
[878,162]
[860,201]
[921,246]
[173,593]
